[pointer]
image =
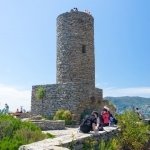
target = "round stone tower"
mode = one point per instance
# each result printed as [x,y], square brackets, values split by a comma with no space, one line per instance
[75,48]
[75,89]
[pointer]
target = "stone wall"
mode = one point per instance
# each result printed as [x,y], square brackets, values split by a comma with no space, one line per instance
[49,124]
[72,96]
[90,142]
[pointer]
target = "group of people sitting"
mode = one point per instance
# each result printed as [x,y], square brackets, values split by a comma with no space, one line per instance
[96,121]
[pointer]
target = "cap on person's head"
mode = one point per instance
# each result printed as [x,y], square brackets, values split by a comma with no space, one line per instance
[105,107]
[95,112]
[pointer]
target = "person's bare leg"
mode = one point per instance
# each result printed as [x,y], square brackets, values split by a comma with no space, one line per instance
[94,127]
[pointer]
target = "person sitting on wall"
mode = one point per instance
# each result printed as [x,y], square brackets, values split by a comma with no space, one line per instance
[113,120]
[107,118]
[90,123]
[138,113]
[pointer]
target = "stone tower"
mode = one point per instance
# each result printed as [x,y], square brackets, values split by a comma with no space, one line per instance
[75,48]
[75,88]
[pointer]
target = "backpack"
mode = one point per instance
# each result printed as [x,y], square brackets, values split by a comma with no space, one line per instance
[86,125]
[87,122]
[105,117]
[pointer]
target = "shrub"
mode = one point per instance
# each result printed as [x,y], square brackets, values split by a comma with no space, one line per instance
[62,114]
[90,144]
[58,115]
[40,93]
[26,135]
[14,133]
[133,133]
[8,125]
[67,116]
[132,136]
[109,145]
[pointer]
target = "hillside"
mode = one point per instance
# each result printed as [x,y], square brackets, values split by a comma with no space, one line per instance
[127,102]
[128,99]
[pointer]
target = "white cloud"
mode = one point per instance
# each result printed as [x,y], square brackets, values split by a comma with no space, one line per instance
[131,91]
[14,97]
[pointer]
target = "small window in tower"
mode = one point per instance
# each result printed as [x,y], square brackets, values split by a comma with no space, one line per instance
[83,49]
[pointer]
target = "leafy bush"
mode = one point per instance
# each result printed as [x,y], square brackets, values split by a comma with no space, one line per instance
[132,136]
[109,145]
[91,144]
[14,133]
[8,125]
[62,114]
[133,133]
[58,115]
[40,93]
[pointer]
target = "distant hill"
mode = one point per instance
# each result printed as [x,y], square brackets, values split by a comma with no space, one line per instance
[129,99]
[127,102]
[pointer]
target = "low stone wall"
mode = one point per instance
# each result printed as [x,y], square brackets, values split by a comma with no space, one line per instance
[71,138]
[92,141]
[50,124]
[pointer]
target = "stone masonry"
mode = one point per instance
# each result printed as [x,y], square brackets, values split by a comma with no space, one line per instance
[75,89]
[71,138]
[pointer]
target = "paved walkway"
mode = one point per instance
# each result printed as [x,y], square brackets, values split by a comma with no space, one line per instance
[62,137]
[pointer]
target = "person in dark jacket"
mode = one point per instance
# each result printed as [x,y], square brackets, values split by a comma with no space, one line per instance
[90,123]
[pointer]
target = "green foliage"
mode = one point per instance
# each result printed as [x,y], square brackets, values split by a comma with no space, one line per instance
[132,136]
[14,133]
[133,133]
[40,93]
[109,145]
[90,144]
[8,125]
[58,114]
[62,114]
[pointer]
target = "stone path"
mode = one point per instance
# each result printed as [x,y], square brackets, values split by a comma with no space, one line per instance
[62,137]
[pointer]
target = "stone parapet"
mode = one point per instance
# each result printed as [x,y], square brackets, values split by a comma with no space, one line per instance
[49,124]
[71,139]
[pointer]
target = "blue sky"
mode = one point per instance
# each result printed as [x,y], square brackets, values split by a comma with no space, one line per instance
[28,46]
